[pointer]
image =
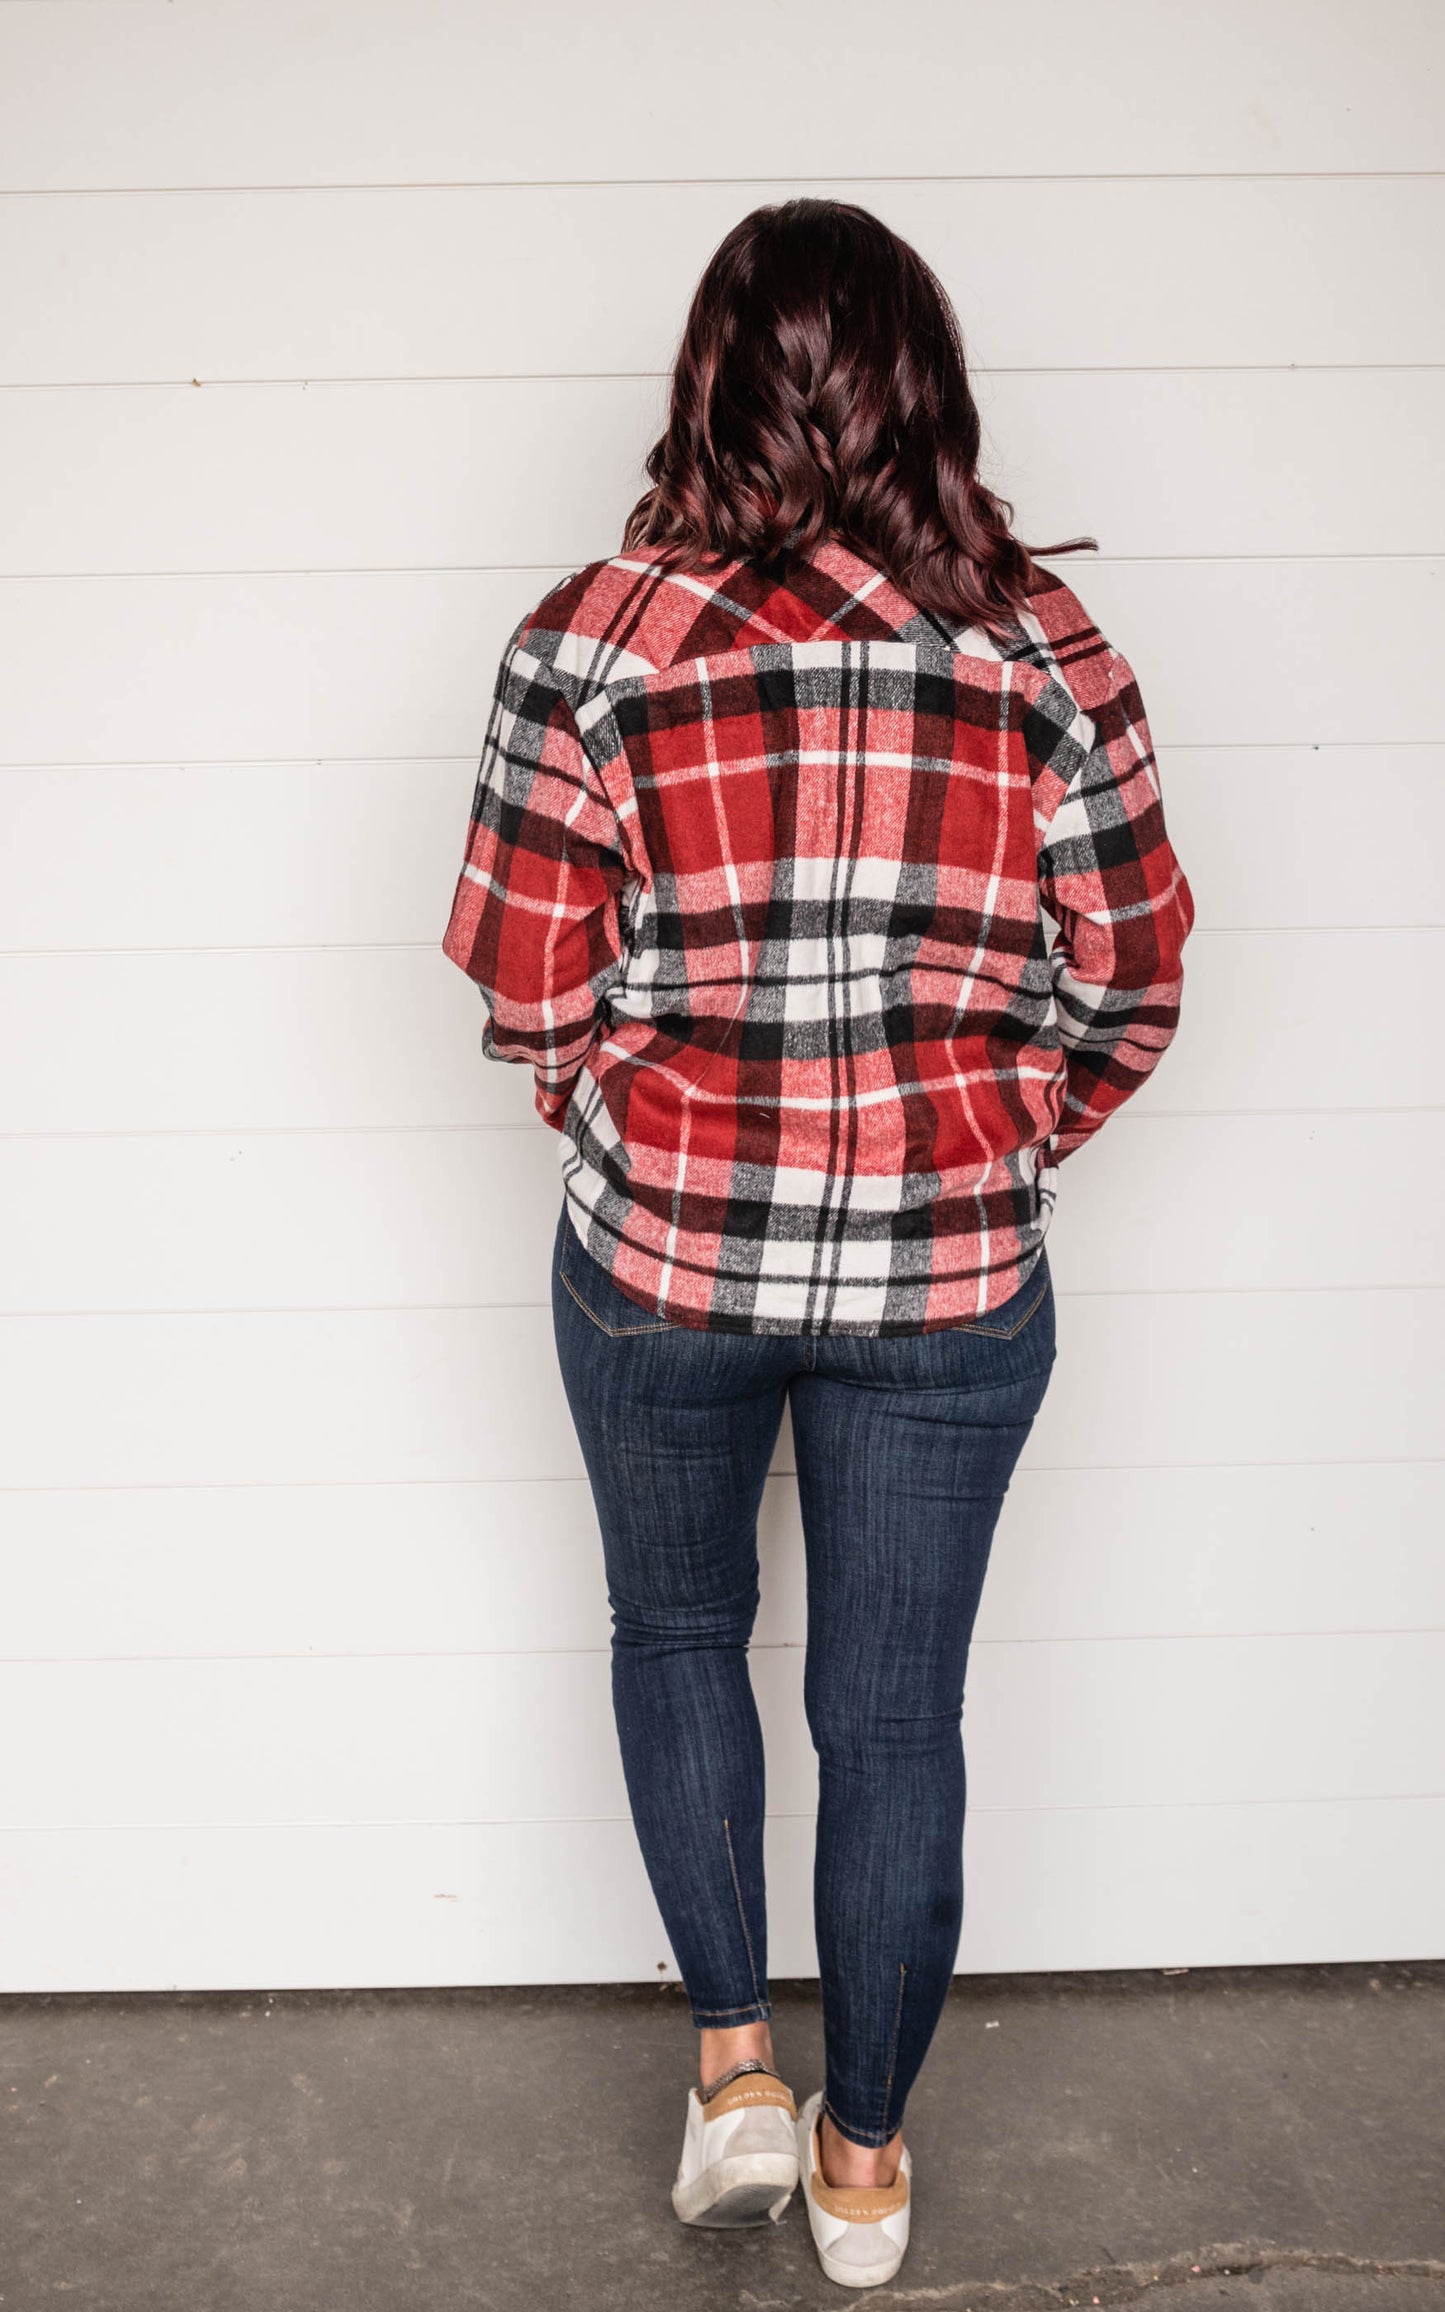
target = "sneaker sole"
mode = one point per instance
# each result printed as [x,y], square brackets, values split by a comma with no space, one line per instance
[850,2276]
[753,2188]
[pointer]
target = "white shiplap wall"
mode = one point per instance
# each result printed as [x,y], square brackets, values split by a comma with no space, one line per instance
[335,332]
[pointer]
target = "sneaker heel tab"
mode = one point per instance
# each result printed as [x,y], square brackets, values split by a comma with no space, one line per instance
[752,2090]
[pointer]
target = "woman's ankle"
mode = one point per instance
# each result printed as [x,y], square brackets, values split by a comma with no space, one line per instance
[844,2162]
[720,2050]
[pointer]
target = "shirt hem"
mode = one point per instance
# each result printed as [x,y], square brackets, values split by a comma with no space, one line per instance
[693,1320]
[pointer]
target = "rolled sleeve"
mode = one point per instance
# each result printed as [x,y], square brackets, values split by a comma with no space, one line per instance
[1109,877]
[535,919]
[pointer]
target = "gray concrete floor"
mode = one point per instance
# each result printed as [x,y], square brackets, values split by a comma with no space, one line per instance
[1078,2139]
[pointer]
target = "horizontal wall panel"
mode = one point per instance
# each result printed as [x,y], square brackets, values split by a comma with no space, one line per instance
[362,665]
[512,1567]
[1268,653]
[396,1396]
[407,476]
[347,1037]
[354,1906]
[332,1906]
[238,854]
[285,666]
[442,90]
[1298,835]
[277,854]
[166,478]
[329,1220]
[1079,1723]
[417,282]
[1299,1020]
[361,1220]
[1176,1203]
[1222,462]
[277,1038]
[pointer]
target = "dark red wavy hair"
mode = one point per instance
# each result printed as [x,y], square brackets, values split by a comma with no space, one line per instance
[820,390]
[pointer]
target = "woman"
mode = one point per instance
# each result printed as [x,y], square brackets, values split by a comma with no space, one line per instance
[773,809]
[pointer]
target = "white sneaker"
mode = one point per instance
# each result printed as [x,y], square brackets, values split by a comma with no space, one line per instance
[860,2231]
[739,2159]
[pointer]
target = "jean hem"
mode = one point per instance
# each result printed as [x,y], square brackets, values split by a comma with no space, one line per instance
[731,2018]
[871,2138]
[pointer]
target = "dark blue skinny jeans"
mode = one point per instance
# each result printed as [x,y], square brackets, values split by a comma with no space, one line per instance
[905,1448]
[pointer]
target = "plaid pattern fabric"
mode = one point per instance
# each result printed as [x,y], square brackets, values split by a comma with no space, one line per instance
[757,883]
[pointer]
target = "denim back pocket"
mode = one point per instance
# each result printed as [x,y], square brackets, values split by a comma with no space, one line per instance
[595,1293]
[1007,1321]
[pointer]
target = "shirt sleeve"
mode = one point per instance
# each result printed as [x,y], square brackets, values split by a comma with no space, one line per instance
[535,919]
[1109,877]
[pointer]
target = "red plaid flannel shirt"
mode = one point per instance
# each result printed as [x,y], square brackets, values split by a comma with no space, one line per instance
[757,881]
